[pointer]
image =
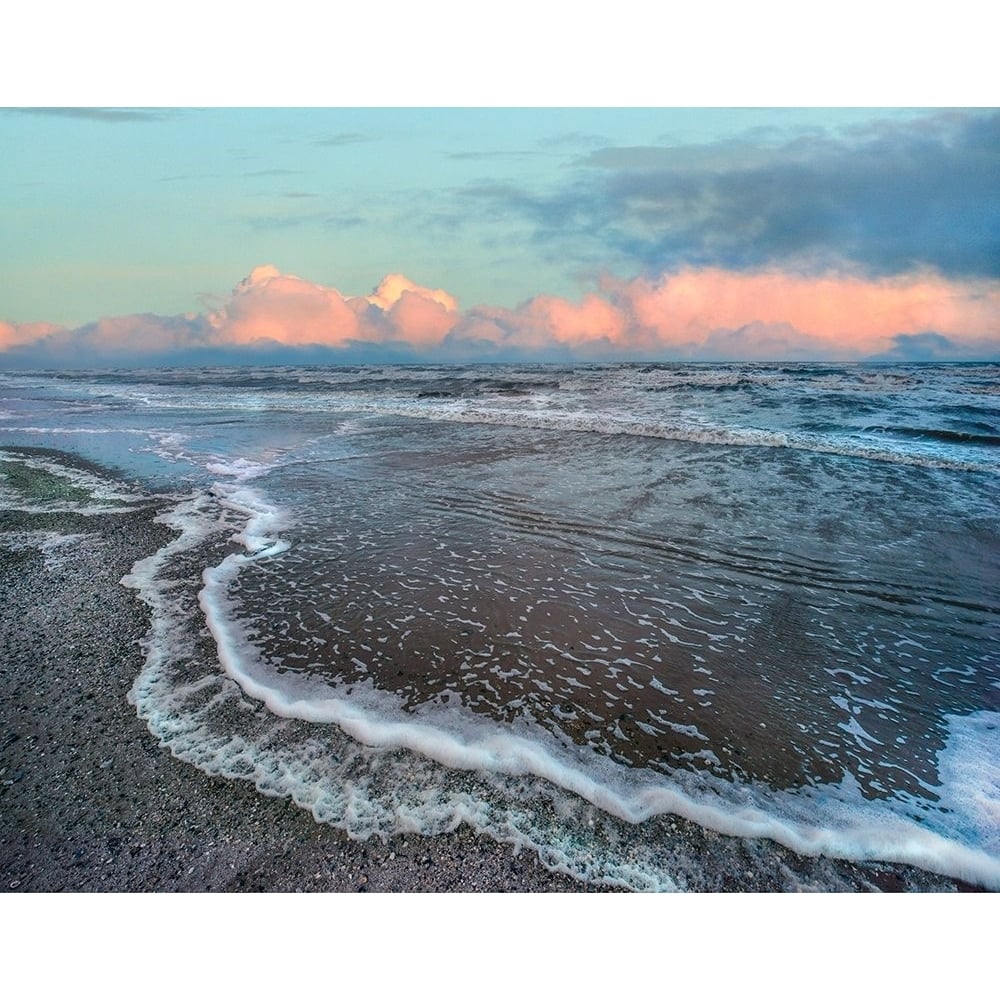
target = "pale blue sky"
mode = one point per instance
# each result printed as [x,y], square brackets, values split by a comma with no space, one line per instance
[108,213]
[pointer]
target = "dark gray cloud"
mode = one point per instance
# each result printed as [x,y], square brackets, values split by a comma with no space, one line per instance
[496,154]
[882,200]
[342,139]
[273,172]
[186,177]
[323,220]
[108,115]
[574,140]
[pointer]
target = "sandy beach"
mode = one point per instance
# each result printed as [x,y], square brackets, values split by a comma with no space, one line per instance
[90,802]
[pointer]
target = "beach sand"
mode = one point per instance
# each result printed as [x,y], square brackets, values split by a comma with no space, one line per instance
[90,802]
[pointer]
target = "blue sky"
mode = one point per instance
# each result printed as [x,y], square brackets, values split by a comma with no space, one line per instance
[426,231]
[108,212]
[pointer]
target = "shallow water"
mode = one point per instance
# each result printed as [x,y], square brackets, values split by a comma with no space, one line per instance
[763,597]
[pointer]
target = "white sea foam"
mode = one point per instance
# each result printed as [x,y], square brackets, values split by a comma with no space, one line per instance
[106,495]
[239,468]
[969,768]
[538,417]
[605,401]
[35,429]
[348,770]
[835,822]
[612,424]
[99,486]
[51,544]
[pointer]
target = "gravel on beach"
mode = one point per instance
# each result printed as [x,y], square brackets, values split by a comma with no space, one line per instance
[89,801]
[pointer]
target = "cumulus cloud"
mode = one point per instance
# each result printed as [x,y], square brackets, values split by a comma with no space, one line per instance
[694,313]
[284,309]
[271,306]
[393,287]
[849,315]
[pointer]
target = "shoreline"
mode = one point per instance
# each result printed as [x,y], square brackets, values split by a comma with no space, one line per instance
[89,801]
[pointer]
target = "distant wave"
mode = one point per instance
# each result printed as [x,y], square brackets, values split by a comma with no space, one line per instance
[940,434]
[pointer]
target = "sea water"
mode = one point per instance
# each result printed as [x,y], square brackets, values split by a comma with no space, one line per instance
[562,604]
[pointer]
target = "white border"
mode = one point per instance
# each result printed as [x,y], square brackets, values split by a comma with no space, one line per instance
[524,52]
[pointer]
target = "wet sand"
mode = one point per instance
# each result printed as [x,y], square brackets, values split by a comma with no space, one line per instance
[90,802]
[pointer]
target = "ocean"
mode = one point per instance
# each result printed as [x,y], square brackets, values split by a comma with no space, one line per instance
[566,604]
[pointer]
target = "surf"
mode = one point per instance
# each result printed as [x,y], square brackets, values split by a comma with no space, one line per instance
[363,764]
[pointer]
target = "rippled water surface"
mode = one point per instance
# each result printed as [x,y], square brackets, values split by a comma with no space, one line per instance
[764,596]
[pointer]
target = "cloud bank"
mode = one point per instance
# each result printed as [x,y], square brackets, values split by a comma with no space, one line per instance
[707,313]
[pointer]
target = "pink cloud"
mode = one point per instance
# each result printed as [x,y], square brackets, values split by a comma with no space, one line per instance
[393,286]
[107,339]
[710,313]
[847,314]
[593,319]
[272,306]
[282,308]
[17,334]
[420,320]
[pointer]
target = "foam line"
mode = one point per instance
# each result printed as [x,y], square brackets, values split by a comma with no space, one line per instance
[580,422]
[853,830]
[100,487]
[534,414]
[716,436]
[315,777]
[883,838]
[76,430]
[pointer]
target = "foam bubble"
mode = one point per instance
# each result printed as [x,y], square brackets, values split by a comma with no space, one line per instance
[239,469]
[52,544]
[970,776]
[106,495]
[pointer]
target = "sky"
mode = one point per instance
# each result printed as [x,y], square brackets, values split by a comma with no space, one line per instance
[186,235]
